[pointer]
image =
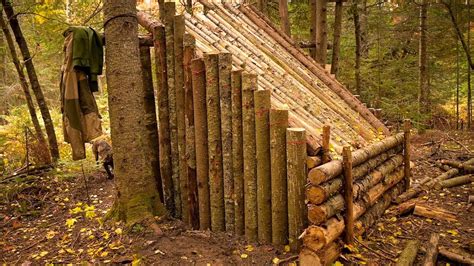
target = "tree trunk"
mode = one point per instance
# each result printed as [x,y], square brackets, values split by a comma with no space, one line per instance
[336,45]
[457,181]
[3,56]
[262,136]
[284,20]
[321,32]
[237,152]
[35,86]
[313,27]
[348,195]
[200,121]
[127,114]
[23,82]
[432,250]
[225,93]
[279,199]
[424,90]
[214,141]
[358,47]
[249,85]
[180,113]
[262,5]
[296,176]
[151,123]
[326,157]
[408,255]
[189,53]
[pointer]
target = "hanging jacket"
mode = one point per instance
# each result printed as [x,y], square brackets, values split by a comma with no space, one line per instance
[87,53]
[81,119]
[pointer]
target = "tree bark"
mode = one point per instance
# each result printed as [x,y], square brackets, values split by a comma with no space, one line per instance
[262,136]
[336,45]
[296,176]
[249,85]
[262,5]
[200,121]
[215,142]
[151,123]
[279,198]
[326,157]
[423,89]
[408,255]
[406,151]
[237,152]
[433,212]
[180,113]
[168,19]
[358,47]
[457,181]
[35,85]
[127,112]
[431,250]
[321,32]
[225,90]
[457,255]
[313,27]
[23,81]
[284,20]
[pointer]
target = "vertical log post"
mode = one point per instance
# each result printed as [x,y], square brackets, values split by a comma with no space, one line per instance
[296,171]
[150,109]
[348,195]
[406,151]
[214,141]
[237,152]
[189,46]
[262,135]
[163,117]
[321,32]
[278,125]
[168,19]
[200,132]
[249,85]
[225,67]
[325,143]
[180,113]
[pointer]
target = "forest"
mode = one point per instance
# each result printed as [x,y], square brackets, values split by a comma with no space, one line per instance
[300,132]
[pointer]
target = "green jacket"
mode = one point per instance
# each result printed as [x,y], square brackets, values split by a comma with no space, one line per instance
[87,53]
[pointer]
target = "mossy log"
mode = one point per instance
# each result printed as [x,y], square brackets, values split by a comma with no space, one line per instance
[296,171]
[151,117]
[249,85]
[168,19]
[431,254]
[189,53]
[408,255]
[279,198]
[200,130]
[456,181]
[262,135]
[333,168]
[434,212]
[237,152]
[466,167]
[216,179]
[181,113]
[313,161]
[163,117]
[225,93]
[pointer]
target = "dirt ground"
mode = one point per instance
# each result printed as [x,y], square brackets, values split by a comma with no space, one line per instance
[56,218]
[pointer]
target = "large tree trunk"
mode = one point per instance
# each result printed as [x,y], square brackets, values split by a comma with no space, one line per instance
[23,82]
[35,86]
[321,33]
[337,38]
[358,47]
[3,57]
[424,90]
[284,20]
[127,117]
[312,29]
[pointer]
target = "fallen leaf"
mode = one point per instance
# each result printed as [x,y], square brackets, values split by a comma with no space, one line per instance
[244,256]
[275,260]
[70,222]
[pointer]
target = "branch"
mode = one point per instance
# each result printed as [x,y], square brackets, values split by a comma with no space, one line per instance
[459,34]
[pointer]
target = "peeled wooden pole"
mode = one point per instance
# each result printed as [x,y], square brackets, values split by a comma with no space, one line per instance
[168,19]
[163,117]
[325,144]
[333,168]
[181,113]
[237,152]
[279,198]
[296,172]
[249,85]
[150,109]
[189,46]
[216,179]
[348,195]
[406,151]
[431,251]
[200,130]
[262,135]
[225,93]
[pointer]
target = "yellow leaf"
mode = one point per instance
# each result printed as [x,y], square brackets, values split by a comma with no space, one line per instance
[275,260]
[75,210]
[104,254]
[249,248]
[70,222]
[70,251]
[106,235]
[66,199]
[90,214]
[244,256]
[118,231]
[136,261]
[287,248]
[50,234]
[337,263]
[82,230]
[453,232]
[393,219]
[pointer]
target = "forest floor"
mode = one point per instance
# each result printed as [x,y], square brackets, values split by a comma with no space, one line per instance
[54,217]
